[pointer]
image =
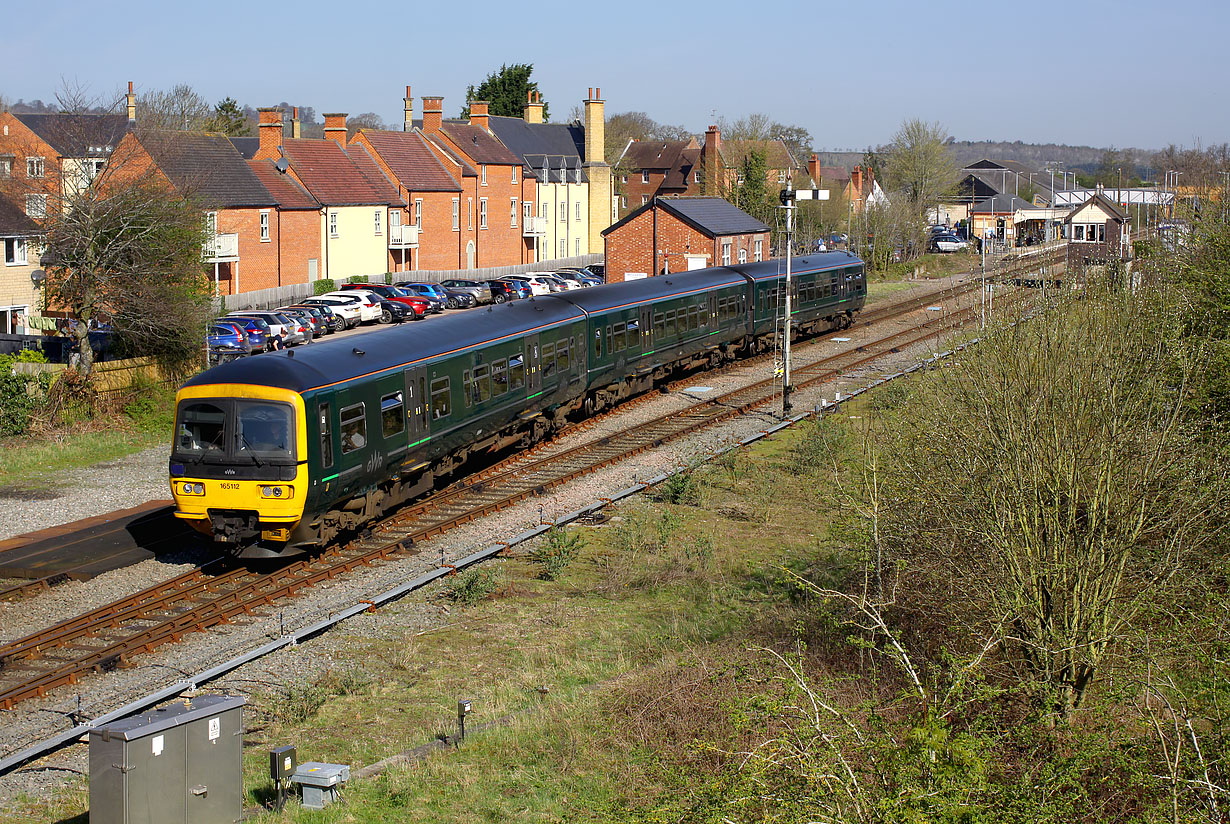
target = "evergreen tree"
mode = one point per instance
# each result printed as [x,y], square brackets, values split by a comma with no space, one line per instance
[506,91]
[229,119]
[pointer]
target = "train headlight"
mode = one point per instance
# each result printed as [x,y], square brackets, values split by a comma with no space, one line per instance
[275,492]
[192,489]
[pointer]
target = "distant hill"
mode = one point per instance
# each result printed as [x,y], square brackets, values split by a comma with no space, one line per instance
[1034,155]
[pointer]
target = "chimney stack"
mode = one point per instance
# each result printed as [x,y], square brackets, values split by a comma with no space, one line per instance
[478,113]
[711,157]
[335,128]
[295,130]
[856,183]
[595,127]
[270,131]
[132,105]
[813,169]
[433,114]
[601,181]
[408,123]
[533,108]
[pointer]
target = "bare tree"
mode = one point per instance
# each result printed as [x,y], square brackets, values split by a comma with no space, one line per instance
[179,108]
[366,120]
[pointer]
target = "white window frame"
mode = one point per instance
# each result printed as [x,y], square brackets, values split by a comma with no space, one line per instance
[456,214]
[644,199]
[482,173]
[512,210]
[742,255]
[563,211]
[623,201]
[781,177]
[378,222]
[759,251]
[6,167]
[527,211]
[394,219]
[696,176]
[335,229]
[16,251]
[726,253]
[623,178]
[36,167]
[644,176]
[577,246]
[264,225]
[469,213]
[578,217]
[418,213]
[563,247]
[482,213]
[514,175]
[36,205]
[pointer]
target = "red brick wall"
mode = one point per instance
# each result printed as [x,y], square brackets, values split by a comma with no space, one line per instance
[630,247]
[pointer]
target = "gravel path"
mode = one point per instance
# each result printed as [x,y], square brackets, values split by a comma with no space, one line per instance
[94,491]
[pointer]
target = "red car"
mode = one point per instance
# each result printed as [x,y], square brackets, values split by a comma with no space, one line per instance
[420,305]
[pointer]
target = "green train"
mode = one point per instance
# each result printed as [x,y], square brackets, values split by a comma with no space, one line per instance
[280,454]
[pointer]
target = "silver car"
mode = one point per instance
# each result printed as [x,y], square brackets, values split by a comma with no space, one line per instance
[291,331]
[481,290]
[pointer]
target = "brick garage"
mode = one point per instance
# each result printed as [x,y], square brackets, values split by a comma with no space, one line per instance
[688,233]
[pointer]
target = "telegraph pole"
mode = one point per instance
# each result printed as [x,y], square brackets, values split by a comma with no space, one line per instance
[789,196]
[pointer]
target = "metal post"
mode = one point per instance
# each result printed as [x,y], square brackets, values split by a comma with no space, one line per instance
[789,206]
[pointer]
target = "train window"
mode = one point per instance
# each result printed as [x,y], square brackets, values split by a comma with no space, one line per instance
[441,400]
[634,333]
[671,327]
[264,429]
[597,343]
[326,437]
[516,371]
[562,359]
[618,341]
[354,428]
[202,427]
[659,324]
[694,318]
[548,359]
[499,377]
[392,421]
[482,382]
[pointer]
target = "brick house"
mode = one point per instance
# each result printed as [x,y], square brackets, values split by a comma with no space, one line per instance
[574,190]
[857,186]
[665,168]
[490,177]
[294,228]
[19,236]
[241,250]
[1098,233]
[354,195]
[676,234]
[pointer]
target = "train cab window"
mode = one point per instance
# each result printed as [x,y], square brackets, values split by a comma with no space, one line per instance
[441,399]
[562,356]
[392,421]
[516,371]
[499,377]
[548,360]
[263,429]
[326,437]
[202,428]
[354,428]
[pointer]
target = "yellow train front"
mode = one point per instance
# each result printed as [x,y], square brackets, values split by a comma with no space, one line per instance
[239,463]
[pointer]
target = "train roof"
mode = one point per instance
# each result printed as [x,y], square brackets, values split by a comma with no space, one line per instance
[776,268]
[326,363]
[626,293]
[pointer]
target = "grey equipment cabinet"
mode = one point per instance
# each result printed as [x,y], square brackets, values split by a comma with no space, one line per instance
[180,763]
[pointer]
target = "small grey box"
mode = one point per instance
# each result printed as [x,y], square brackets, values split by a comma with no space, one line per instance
[321,782]
[180,763]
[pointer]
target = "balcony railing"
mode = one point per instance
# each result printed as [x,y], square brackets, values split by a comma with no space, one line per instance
[534,227]
[222,248]
[403,237]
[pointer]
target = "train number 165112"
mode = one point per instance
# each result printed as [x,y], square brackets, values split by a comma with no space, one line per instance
[229,486]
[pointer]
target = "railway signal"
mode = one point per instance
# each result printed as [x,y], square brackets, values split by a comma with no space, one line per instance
[789,197]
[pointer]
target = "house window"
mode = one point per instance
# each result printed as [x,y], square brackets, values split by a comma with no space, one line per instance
[376,218]
[265,226]
[645,176]
[14,251]
[578,210]
[759,249]
[333,228]
[512,210]
[578,247]
[546,207]
[726,253]
[482,213]
[514,175]
[456,214]
[696,176]
[623,201]
[482,173]
[6,167]
[36,205]
[211,223]
[469,213]
[781,177]
[418,212]
[743,256]
[1078,231]
[563,247]
[527,211]
[563,211]
[394,219]
[34,167]
[644,199]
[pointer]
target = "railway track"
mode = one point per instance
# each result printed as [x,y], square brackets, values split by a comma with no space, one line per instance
[110,636]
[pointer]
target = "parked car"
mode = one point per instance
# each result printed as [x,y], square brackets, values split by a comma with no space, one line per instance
[346,307]
[838,238]
[314,322]
[573,282]
[540,285]
[583,274]
[331,322]
[427,292]
[259,335]
[506,289]
[948,243]
[598,270]
[480,289]
[369,306]
[459,298]
[288,332]
[227,341]
[418,303]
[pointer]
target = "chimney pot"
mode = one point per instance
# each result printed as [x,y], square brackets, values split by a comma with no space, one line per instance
[335,128]
[597,93]
[270,131]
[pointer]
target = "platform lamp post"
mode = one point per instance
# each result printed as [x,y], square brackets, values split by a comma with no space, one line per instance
[789,198]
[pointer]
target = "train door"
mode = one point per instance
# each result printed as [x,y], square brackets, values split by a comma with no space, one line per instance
[417,418]
[711,324]
[646,329]
[533,375]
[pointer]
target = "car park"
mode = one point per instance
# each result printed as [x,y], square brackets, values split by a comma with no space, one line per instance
[504,290]
[418,303]
[258,332]
[585,276]
[566,283]
[425,292]
[331,322]
[314,323]
[368,303]
[227,340]
[282,329]
[480,289]
[347,307]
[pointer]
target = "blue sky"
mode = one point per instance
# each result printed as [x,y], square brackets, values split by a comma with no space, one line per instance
[1096,72]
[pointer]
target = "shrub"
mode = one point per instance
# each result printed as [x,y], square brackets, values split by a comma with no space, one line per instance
[472,585]
[556,552]
[685,488]
[358,279]
[324,285]
[21,395]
